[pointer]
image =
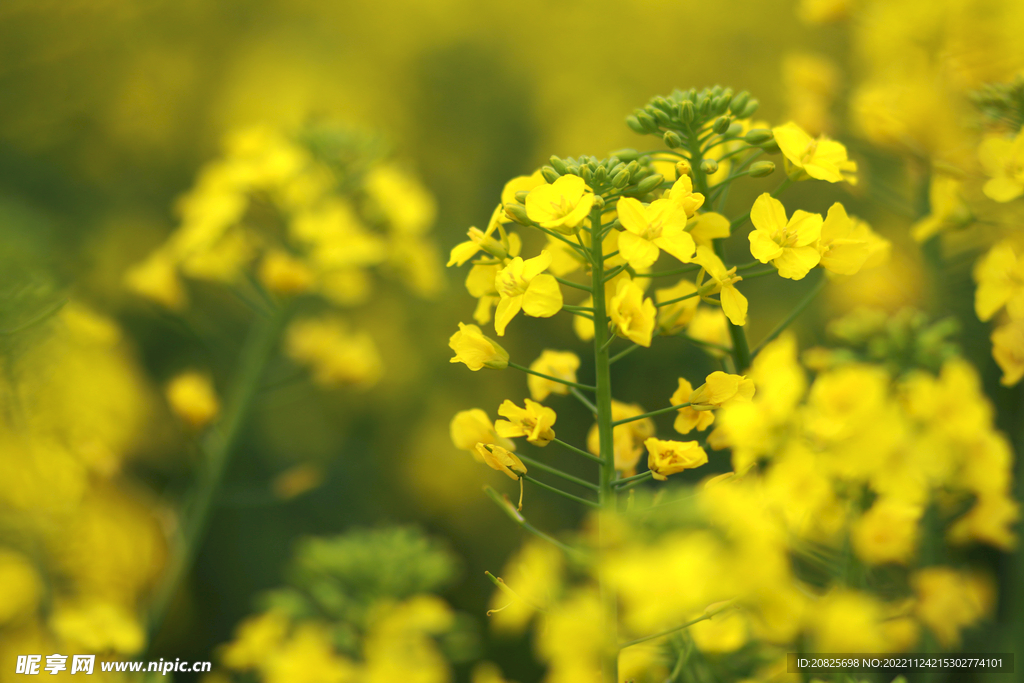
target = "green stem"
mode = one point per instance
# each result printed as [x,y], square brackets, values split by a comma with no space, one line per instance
[581,252]
[555,489]
[635,478]
[800,308]
[577,309]
[577,451]
[660,411]
[570,283]
[606,493]
[517,517]
[613,272]
[583,399]
[688,624]
[667,273]
[566,382]
[220,443]
[622,354]
[533,462]
[706,344]
[676,300]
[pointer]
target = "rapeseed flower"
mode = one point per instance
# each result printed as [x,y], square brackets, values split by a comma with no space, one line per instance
[821,158]
[632,315]
[688,418]
[560,206]
[534,422]
[501,459]
[470,427]
[1003,161]
[477,350]
[720,390]
[561,364]
[192,398]
[669,457]
[788,243]
[523,285]
[649,229]
[724,281]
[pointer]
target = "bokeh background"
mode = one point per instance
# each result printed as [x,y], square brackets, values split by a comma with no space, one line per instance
[111,107]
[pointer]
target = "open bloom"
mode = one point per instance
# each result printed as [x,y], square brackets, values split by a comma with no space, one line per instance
[470,427]
[534,422]
[688,419]
[822,159]
[561,364]
[708,226]
[1000,278]
[632,314]
[948,209]
[480,239]
[192,398]
[734,304]
[476,350]
[788,244]
[649,229]
[1003,160]
[501,459]
[720,390]
[669,457]
[843,250]
[523,285]
[560,206]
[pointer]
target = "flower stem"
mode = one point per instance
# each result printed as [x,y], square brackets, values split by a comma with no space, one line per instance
[533,462]
[518,518]
[578,451]
[553,379]
[622,354]
[570,283]
[584,400]
[703,617]
[660,411]
[555,489]
[635,478]
[800,308]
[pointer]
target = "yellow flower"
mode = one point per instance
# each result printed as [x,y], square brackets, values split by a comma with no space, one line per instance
[255,639]
[561,364]
[524,285]
[476,350]
[669,457]
[480,239]
[948,209]
[682,191]
[733,303]
[673,318]
[627,439]
[334,354]
[192,398]
[708,226]
[535,574]
[687,418]
[522,183]
[98,626]
[648,229]
[721,390]
[409,208]
[1008,351]
[1000,278]
[157,279]
[788,244]
[284,274]
[560,206]
[632,314]
[948,600]
[1003,160]
[842,249]
[887,532]
[308,656]
[534,422]
[501,459]
[470,427]
[710,325]
[990,521]
[822,159]
[848,621]
[20,587]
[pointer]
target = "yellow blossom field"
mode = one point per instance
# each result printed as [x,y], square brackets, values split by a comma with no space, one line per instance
[554,342]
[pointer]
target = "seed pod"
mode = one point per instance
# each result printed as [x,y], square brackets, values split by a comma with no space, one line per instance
[760,169]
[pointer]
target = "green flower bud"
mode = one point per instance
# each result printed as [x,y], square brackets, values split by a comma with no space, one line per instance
[683,168]
[721,125]
[573,168]
[550,174]
[663,118]
[621,179]
[601,175]
[715,91]
[598,201]
[672,139]
[771,147]
[521,196]
[739,102]
[720,104]
[649,183]
[749,110]
[735,128]
[686,112]
[661,103]
[557,164]
[703,106]
[709,166]
[647,121]
[517,212]
[587,175]
[758,136]
[626,155]
[633,168]
[760,169]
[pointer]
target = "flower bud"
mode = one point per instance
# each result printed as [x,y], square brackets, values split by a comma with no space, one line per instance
[649,183]
[635,125]
[648,123]
[703,106]
[521,196]
[683,168]
[557,164]
[721,124]
[760,169]
[709,166]
[720,105]
[662,104]
[672,139]
[626,155]
[686,112]
[517,212]
[477,350]
[662,117]
[598,201]
[601,175]
[621,179]
[587,175]
[739,102]
[749,110]
[550,174]
[735,128]
[758,136]
[771,147]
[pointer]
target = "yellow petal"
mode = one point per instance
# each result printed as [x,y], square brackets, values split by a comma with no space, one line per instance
[807,227]
[763,247]
[640,253]
[632,215]
[795,263]
[543,298]
[507,309]
[734,305]
[768,214]
[681,246]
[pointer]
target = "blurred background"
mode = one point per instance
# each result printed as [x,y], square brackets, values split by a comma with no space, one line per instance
[110,108]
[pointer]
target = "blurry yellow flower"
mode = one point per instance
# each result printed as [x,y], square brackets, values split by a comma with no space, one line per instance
[157,279]
[726,632]
[710,325]
[673,318]
[1008,351]
[20,587]
[284,274]
[335,355]
[308,656]
[1000,278]
[708,226]
[948,600]
[501,459]
[648,229]
[470,427]
[887,532]
[487,672]
[788,243]
[97,626]
[223,261]
[848,621]
[687,418]
[721,390]
[561,364]
[296,480]
[811,82]
[560,206]
[534,422]
[841,250]
[255,640]
[669,457]
[733,303]
[535,574]
[632,315]
[193,399]
[823,159]
[990,520]
[401,644]
[627,439]
[948,208]
[476,350]
[480,239]
[409,208]
[573,640]
[524,285]
[1003,161]
[823,11]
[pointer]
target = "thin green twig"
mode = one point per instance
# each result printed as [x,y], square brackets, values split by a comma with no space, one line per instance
[566,494]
